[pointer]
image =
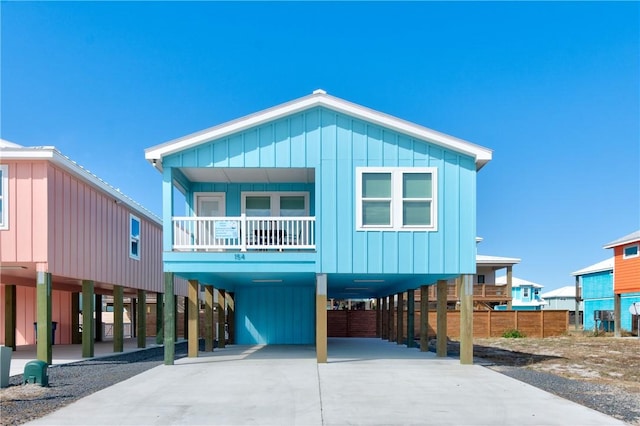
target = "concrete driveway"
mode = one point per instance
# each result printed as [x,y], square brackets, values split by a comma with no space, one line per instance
[366,381]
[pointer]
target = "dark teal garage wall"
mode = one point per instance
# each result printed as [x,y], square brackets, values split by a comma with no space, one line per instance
[275,314]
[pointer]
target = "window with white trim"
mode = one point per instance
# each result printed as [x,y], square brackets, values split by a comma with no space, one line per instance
[525,292]
[134,237]
[275,204]
[631,251]
[396,198]
[4,197]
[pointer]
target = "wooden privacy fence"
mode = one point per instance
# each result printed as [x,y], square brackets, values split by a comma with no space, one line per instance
[485,323]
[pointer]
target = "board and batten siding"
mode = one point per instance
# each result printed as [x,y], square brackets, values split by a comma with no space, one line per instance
[334,144]
[275,314]
[597,285]
[77,229]
[25,238]
[627,275]
[90,236]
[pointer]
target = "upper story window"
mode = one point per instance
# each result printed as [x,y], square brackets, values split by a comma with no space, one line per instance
[480,279]
[4,197]
[396,198]
[525,292]
[134,237]
[631,251]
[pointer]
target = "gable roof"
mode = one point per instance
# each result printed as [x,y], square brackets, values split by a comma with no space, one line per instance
[632,237]
[567,291]
[605,265]
[516,282]
[482,259]
[12,151]
[318,98]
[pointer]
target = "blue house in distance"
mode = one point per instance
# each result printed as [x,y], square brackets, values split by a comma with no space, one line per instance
[316,198]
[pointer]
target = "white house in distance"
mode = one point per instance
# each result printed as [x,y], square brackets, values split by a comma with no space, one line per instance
[525,294]
[561,298]
[564,298]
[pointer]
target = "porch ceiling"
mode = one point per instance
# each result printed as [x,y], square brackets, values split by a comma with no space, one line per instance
[339,286]
[249,175]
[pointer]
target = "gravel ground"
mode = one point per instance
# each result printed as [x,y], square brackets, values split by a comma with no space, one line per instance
[606,399]
[70,382]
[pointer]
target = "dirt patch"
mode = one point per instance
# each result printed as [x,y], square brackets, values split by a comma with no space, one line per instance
[600,359]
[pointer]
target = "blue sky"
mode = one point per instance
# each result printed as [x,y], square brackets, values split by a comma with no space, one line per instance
[552,88]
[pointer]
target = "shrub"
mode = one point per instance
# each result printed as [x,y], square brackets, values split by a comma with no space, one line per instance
[513,334]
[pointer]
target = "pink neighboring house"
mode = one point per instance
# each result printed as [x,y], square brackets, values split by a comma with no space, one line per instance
[59,219]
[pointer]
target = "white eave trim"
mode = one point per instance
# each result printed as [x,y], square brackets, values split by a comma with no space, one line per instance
[50,153]
[320,98]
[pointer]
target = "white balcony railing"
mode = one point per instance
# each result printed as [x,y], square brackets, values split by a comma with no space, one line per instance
[244,233]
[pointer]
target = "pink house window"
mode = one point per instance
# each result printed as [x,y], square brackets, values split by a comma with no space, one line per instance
[134,237]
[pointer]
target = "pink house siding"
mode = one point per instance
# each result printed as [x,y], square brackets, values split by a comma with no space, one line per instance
[67,222]
[90,237]
[26,314]
[22,242]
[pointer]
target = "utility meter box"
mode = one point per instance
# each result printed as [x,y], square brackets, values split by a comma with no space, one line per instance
[36,372]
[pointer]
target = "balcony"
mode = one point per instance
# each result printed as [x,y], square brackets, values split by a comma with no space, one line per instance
[481,292]
[242,233]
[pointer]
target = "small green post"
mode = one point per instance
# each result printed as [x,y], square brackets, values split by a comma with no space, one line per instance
[169,320]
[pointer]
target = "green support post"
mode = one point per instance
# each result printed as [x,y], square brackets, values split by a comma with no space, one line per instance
[208,318]
[76,335]
[118,321]
[411,302]
[88,323]
[10,316]
[141,321]
[169,320]
[98,314]
[43,295]
[159,318]
[400,315]
[424,318]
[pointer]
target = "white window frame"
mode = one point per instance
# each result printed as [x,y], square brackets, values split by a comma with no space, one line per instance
[275,200]
[624,254]
[4,198]
[133,238]
[525,293]
[397,198]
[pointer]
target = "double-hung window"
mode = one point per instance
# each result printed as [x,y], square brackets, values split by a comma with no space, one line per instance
[4,197]
[134,237]
[396,198]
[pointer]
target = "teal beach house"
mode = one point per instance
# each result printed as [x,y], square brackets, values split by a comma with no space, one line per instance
[313,199]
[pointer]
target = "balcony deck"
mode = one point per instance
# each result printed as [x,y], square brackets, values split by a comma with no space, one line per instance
[242,233]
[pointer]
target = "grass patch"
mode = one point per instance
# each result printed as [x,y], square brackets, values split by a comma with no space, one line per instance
[513,334]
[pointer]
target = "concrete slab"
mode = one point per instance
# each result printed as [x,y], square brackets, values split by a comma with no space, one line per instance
[366,381]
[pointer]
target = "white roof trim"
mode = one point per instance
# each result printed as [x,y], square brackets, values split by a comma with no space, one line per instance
[50,153]
[319,98]
[566,291]
[482,259]
[515,282]
[605,265]
[631,238]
